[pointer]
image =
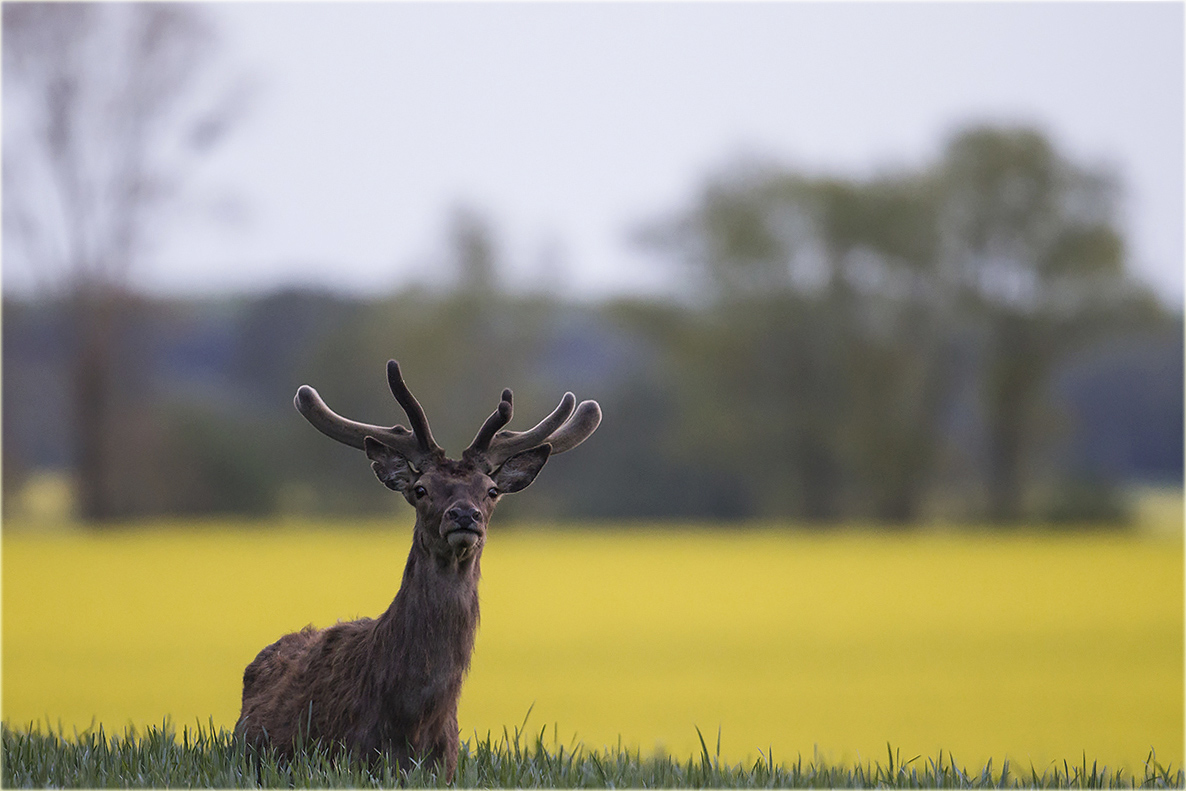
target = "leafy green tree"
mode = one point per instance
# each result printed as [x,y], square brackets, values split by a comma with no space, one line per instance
[1033,243]
[820,336]
[842,318]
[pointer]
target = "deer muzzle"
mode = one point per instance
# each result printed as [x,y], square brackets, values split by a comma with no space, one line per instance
[462,526]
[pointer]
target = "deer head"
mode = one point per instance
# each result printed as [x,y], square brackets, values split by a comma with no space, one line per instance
[454,498]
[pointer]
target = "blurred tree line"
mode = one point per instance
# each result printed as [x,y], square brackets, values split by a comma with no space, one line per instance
[958,341]
[961,340]
[896,342]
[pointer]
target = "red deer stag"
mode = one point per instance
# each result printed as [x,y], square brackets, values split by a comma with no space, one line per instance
[389,685]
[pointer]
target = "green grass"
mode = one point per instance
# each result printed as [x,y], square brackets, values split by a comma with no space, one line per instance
[205,757]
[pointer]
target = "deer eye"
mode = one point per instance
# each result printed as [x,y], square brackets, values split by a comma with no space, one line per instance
[492,492]
[420,491]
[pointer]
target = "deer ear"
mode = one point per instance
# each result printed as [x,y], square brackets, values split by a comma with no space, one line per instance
[519,471]
[390,466]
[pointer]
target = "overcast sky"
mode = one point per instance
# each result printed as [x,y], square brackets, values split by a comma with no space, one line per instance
[569,124]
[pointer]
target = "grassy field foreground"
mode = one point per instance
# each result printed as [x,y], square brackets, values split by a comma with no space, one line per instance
[1030,647]
[211,758]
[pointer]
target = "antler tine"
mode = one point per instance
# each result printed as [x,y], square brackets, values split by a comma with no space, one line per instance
[497,420]
[507,443]
[351,432]
[412,408]
[583,423]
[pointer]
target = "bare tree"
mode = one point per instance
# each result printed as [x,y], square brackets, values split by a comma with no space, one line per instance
[99,130]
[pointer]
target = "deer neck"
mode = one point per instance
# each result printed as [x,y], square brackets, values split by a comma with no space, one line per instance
[429,628]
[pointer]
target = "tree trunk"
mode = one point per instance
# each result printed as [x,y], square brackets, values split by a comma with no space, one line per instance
[91,375]
[1022,359]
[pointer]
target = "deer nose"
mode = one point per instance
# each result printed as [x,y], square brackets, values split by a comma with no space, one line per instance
[463,515]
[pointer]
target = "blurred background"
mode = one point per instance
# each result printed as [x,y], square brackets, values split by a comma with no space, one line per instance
[826,263]
[881,265]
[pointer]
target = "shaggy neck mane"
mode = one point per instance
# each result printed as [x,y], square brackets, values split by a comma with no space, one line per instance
[428,630]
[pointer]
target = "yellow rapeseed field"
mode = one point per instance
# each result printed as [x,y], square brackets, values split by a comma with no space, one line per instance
[1032,646]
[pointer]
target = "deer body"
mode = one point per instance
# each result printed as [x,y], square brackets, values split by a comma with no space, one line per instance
[390,685]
